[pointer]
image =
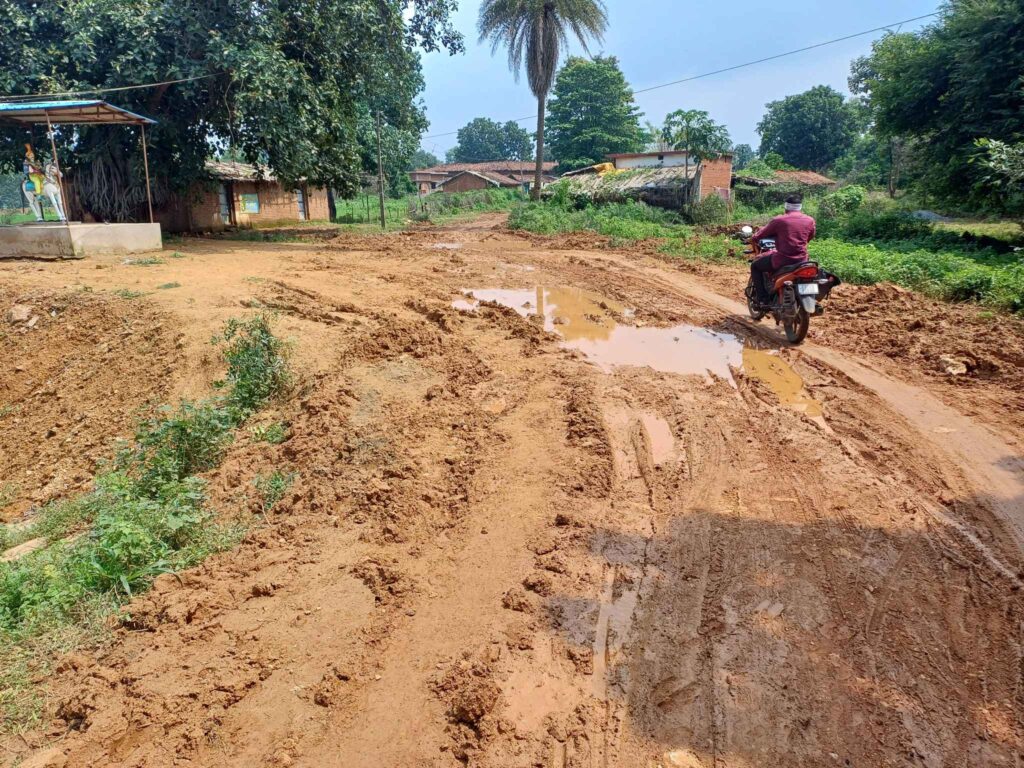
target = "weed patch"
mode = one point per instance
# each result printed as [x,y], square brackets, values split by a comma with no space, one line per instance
[168,286]
[145,516]
[128,293]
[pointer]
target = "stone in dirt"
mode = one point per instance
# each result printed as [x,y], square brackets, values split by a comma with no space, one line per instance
[19,313]
[18,552]
[952,365]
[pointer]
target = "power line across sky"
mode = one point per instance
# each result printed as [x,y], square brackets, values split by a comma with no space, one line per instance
[745,64]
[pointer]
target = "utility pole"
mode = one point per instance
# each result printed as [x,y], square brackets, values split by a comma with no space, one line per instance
[380,175]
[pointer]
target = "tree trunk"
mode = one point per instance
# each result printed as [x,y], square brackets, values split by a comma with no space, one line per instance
[538,177]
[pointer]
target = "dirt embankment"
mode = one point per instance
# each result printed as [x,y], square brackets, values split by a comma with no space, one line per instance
[498,554]
[77,370]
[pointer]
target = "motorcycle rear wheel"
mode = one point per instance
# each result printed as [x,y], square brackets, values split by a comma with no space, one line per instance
[797,328]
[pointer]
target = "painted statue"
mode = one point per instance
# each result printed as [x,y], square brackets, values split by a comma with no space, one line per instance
[41,180]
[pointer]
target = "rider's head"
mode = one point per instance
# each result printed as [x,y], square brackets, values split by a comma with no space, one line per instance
[794,202]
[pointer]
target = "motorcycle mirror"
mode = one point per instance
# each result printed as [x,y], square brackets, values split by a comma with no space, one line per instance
[748,230]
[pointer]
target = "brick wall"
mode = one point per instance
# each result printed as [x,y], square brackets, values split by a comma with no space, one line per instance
[200,212]
[716,175]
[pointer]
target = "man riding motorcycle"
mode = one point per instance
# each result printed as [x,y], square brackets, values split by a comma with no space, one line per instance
[791,231]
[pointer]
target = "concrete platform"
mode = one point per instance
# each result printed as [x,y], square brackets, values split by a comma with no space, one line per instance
[53,240]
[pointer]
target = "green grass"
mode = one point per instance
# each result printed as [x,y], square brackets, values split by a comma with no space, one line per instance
[168,286]
[176,255]
[146,516]
[623,222]
[1007,231]
[877,243]
[145,261]
[128,293]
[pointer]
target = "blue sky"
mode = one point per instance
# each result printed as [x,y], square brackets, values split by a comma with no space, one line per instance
[657,41]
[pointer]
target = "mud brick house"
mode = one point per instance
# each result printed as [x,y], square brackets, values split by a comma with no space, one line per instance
[713,177]
[463,177]
[242,195]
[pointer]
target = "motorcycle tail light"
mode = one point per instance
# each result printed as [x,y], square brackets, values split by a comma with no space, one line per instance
[806,272]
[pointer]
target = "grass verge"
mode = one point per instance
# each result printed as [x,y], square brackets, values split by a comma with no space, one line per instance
[145,516]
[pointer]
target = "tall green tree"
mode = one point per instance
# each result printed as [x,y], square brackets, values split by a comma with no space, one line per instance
[947,86]
[483,140]
[422,159]
[592,113]
[694,132]
[742,156]
[535,33]
[809,130]
[285,83]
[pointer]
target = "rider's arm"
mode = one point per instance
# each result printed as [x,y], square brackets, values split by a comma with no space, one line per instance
[768,230]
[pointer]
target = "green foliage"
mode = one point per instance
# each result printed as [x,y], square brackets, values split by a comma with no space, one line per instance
[275,433]
[767,197]
[483,140]
[711,210]
[440,206]
[257,364]
[287,82]
[694,132]
[809,130]
[592,113]
[146,261]
[423,159]
[272,488]
[742,156]
[145,517]
[535,34]
[947,86]
[625,222]
[128,293]
[168,286]
[842,202]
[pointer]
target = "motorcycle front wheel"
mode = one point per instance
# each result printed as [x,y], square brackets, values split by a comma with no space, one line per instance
[797,328]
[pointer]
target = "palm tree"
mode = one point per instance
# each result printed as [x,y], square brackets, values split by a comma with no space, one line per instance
[536,32]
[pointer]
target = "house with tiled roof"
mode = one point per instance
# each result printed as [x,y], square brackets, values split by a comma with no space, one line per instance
[463,177]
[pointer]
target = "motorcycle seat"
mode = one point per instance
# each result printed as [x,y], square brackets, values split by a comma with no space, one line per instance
[792,268]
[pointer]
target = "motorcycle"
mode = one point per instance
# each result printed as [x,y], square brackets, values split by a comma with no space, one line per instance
[796,291]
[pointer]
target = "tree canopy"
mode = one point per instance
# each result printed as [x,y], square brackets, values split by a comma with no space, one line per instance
[592,114]
[811,129]
[695,132]
[742,156]
[288,84]
[422,159]
[535,32]
[946,87]
[483,140]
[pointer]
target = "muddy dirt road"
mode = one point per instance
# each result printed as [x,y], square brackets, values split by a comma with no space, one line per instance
[555,507]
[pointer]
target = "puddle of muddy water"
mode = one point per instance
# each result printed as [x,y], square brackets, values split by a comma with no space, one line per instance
[588,322]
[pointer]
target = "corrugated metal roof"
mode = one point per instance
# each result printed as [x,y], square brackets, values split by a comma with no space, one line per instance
[77,112]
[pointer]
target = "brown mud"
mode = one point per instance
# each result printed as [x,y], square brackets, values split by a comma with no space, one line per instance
[504,550]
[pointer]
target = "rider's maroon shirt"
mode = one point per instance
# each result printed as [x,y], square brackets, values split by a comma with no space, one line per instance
[792,232]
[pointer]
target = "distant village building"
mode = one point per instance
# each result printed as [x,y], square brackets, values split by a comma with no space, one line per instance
[463,177]
[713,177]
[242,195]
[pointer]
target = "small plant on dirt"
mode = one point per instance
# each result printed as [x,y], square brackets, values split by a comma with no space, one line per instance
[146,261]
[275,433]
[128,293]
[272,488]
[176,255]
[257,364]
[167,286]
[8,493]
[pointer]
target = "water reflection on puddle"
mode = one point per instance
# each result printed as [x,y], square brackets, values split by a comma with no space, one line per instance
[588,322]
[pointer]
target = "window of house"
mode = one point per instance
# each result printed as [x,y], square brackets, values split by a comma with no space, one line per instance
[300,199]
[225,204]
[250,202]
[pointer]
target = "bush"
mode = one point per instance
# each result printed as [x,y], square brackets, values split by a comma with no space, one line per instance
[711,210]
[629,221]
[257,364]
[842,202]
